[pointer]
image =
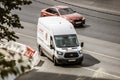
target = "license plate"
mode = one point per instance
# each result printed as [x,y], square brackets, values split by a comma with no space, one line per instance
[71,60]
[78,22]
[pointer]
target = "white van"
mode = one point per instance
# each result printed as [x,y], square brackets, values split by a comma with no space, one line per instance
[57,39]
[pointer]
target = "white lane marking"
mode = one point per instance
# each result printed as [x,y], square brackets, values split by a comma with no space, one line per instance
[103,73]
[86,51]
[81,78]
[99,73]
[26,35]
[102,55]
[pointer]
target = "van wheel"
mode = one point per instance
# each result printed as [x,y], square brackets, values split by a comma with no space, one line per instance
[79,63]
[40,51]
[55,63]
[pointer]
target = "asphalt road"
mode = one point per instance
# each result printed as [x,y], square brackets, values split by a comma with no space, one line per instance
[98,25]
[101,35]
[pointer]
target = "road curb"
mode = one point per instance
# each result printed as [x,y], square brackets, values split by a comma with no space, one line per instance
[107,11]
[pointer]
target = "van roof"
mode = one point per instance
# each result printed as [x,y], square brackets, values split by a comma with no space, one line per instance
[58,25]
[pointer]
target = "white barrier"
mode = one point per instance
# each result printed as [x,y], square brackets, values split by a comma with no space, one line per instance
[3,43]
[36,58]
[15,47]
[24,50]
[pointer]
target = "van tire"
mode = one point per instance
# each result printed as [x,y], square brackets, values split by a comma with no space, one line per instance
[79,63]
[55,62]
[40,51]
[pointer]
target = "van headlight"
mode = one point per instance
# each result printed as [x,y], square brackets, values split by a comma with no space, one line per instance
[59,53]
[80,52]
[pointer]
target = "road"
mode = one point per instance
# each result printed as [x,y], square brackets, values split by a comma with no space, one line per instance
[97,24]
[101,35]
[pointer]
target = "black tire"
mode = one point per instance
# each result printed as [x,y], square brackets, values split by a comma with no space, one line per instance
[40,51]
[42,15]
[55,63]
[79,63]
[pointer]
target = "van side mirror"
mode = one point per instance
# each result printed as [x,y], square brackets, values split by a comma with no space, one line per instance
[82,44]
[51,47]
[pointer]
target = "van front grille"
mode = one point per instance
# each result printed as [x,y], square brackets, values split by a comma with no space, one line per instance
[71,55]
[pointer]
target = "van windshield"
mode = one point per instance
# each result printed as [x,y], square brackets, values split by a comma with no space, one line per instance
[63,41]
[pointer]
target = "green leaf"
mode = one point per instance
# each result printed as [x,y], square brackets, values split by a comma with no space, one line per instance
[9,20]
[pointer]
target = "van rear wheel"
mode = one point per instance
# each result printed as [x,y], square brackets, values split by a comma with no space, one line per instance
[40,51]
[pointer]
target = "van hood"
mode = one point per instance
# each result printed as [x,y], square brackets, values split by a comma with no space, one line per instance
[74,16]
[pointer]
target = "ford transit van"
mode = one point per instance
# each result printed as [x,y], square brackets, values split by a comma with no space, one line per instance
[57,39]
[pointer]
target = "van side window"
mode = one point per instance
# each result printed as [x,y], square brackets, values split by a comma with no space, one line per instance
[51,43]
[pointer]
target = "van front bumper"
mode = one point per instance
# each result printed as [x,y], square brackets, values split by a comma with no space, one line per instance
[70,61]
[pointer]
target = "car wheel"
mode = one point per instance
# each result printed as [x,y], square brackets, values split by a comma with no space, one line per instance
[79,63]
[40,51]
[55,62]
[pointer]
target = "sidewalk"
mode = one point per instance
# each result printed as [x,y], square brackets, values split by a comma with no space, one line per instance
[106,6]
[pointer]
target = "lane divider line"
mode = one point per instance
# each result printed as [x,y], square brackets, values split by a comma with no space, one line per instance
[101,54]
[26,35]
[102,72]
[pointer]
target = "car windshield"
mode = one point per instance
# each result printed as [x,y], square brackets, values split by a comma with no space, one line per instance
[63,41]
[65,11]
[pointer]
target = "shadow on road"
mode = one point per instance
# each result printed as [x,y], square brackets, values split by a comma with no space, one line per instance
[89,60]
[35,75]
[40,63]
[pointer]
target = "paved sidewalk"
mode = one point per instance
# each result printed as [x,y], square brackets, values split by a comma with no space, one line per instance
[107,6]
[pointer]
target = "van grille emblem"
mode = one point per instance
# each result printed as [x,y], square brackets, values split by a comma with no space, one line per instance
[71,54]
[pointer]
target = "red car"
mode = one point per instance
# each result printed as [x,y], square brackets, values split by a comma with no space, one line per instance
[64,11]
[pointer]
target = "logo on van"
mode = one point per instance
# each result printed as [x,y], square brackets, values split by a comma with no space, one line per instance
[71,54]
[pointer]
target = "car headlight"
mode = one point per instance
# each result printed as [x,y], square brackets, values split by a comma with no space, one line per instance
[59,53]
[83,18]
